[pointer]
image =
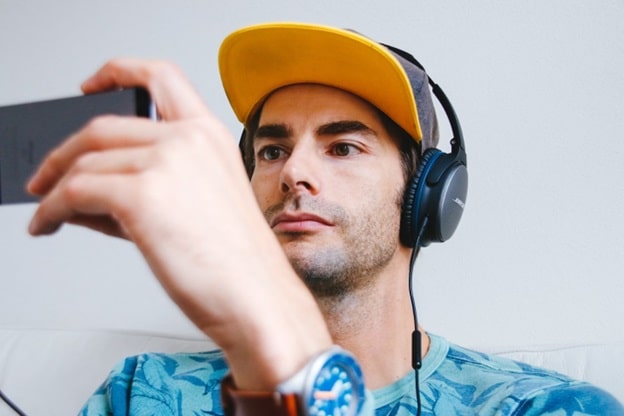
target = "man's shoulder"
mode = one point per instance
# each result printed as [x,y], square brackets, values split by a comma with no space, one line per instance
[577,398]
[171,383]
[171,365]
[492,381]
[181,371]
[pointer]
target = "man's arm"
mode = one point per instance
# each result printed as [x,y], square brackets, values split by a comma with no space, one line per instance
[178,190]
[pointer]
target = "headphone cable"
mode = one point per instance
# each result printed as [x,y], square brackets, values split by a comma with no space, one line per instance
[416,335]
[11,404]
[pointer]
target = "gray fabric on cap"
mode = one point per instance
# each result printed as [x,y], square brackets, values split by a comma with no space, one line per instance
[424,103]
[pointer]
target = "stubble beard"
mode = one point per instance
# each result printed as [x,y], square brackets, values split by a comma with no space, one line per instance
[368,244]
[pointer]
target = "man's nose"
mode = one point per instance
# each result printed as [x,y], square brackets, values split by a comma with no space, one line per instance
[301,172]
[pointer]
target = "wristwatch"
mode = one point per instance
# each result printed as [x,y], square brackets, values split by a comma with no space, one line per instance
[331,383]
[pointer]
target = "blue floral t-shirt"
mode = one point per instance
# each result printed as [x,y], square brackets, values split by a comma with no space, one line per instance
[453,381]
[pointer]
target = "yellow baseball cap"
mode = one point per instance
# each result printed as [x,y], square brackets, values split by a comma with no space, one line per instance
[256,60]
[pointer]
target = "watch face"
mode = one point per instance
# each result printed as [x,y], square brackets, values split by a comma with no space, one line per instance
[338,388]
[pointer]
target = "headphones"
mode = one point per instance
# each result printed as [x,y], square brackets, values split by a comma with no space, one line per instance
[435,196]
[433,201]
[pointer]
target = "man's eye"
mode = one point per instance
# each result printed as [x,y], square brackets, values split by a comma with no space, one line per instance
[270,153]
[344,149]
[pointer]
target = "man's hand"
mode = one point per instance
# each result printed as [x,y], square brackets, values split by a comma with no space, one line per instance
[178,190]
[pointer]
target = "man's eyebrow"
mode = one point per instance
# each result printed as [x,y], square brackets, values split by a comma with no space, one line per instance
[334,128]
[344,126]
[272,131]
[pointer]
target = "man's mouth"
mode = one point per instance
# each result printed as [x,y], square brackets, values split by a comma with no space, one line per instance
[299,222]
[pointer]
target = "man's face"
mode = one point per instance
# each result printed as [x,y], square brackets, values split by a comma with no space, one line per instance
[328,179]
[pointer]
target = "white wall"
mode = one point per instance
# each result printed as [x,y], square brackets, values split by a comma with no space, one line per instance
[537,84]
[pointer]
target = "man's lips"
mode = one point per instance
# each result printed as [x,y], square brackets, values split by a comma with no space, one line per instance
[300,222]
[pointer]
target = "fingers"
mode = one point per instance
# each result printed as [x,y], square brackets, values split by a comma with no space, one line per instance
[101,223]
[173,94]
[96,192]
[81,180]
[175,97]
[91,193]
[142,159]
[102,133]
[85,195]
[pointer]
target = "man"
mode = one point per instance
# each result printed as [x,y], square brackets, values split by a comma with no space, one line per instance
[335,126]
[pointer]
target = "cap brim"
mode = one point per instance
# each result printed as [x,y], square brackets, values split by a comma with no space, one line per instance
[257,60]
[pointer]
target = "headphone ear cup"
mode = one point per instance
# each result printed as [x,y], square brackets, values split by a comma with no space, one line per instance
[413,200]
[434,199]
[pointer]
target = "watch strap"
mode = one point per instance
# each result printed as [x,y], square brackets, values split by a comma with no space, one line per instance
[256,403]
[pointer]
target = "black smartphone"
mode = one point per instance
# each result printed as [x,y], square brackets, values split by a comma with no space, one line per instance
[29,131]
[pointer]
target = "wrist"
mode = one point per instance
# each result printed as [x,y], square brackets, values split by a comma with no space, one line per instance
[275,338]
[329,382]
[272,351]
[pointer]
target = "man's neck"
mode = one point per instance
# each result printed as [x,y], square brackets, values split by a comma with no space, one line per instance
[376,324]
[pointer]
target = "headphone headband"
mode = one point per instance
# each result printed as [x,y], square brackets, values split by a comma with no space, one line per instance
[457,142]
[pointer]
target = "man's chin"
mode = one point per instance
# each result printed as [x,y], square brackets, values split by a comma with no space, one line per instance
[304,248]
